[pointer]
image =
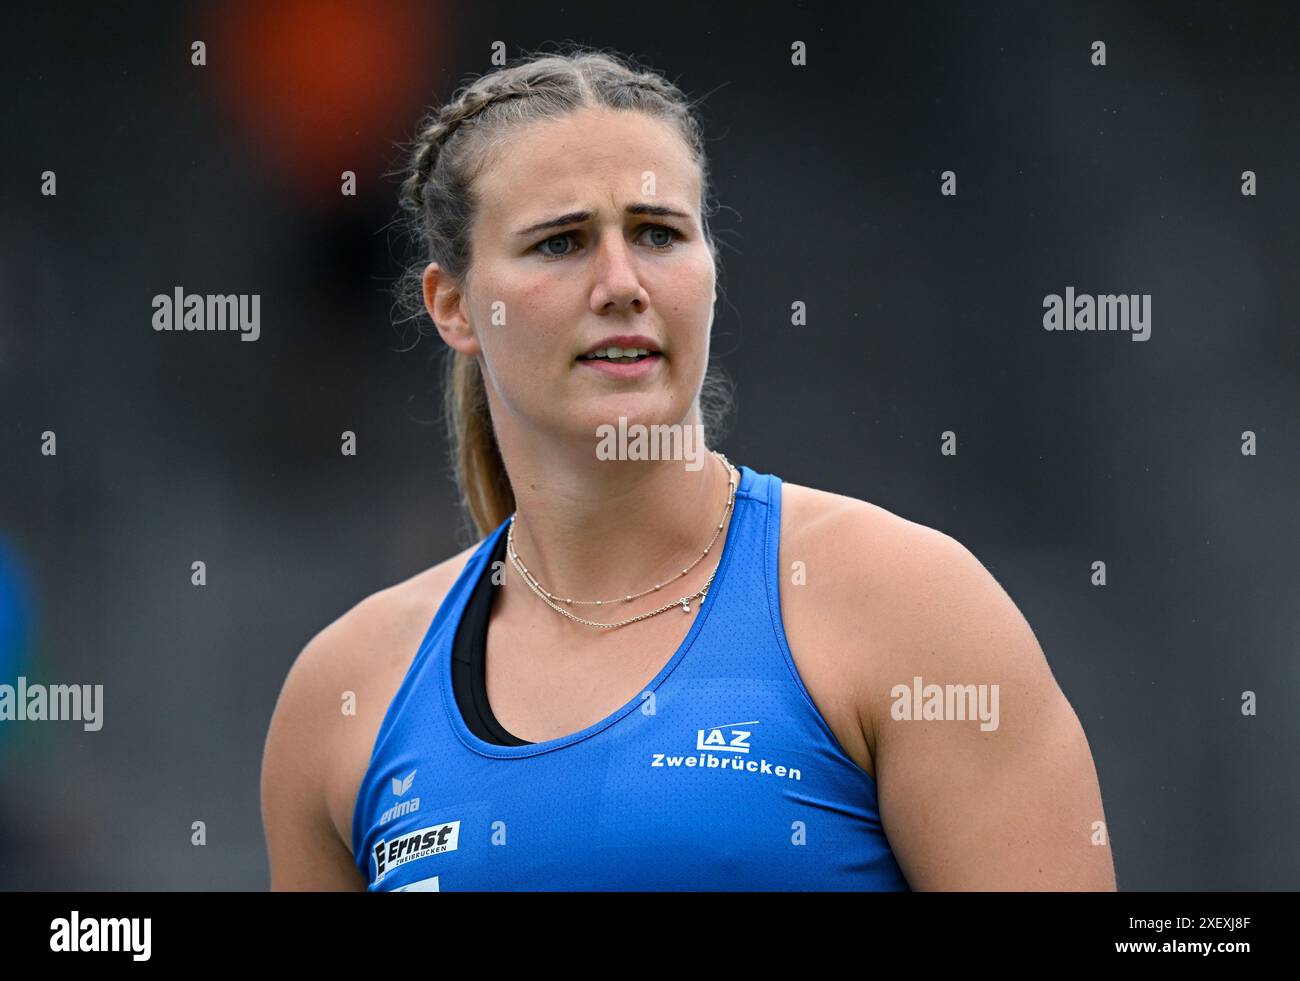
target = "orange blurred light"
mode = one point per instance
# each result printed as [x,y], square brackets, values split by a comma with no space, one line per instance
[318,87]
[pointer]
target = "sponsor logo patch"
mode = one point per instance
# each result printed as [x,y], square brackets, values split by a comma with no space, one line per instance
[413,846]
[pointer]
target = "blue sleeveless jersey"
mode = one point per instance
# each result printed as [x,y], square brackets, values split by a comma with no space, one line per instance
[720,775]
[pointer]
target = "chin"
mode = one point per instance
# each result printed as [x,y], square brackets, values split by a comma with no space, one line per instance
[588,420]
[646,410]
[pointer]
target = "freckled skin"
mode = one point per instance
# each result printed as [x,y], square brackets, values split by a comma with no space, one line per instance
[609,275]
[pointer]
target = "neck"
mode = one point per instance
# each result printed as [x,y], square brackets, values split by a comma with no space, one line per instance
[592,529]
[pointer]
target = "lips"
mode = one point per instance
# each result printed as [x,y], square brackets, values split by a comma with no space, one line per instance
[618,354]
[623,342]
[623,368]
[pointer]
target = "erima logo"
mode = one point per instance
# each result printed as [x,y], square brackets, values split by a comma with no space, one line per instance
[737,743]
[401,786]
[397,810]
[404,784]
[433,840]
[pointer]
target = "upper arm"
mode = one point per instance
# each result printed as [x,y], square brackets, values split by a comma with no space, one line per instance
[980,800]
[305,851]
[313,753]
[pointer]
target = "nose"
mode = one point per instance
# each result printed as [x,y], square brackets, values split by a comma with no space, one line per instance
[618,285]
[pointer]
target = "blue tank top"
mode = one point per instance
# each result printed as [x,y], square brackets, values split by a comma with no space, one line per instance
[720,775]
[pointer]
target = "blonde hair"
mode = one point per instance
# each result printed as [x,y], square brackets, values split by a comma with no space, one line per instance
[453,144]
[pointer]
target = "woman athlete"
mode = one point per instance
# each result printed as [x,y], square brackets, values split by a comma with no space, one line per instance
[650,673]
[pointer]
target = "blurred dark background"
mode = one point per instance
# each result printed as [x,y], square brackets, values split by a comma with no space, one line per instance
[924,316]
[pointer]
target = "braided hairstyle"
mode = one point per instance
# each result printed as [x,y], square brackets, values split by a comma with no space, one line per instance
[453,145]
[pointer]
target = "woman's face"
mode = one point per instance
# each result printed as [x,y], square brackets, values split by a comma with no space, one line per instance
[541,297]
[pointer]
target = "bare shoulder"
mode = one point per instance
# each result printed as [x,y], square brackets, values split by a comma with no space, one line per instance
[849,569]
[369,640]
[899,594]
[325,722]
[867,596]
[879,570]
[824,518]
[957,700]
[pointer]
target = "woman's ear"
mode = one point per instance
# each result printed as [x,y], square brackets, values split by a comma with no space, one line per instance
[446,305]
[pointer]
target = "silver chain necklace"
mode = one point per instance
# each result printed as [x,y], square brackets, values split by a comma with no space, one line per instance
[683,601]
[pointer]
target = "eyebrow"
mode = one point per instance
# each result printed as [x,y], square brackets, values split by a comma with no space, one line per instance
[574,217]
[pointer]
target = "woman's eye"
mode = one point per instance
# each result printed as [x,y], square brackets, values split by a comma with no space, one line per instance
[542,246]
[669,233]
[662,239]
